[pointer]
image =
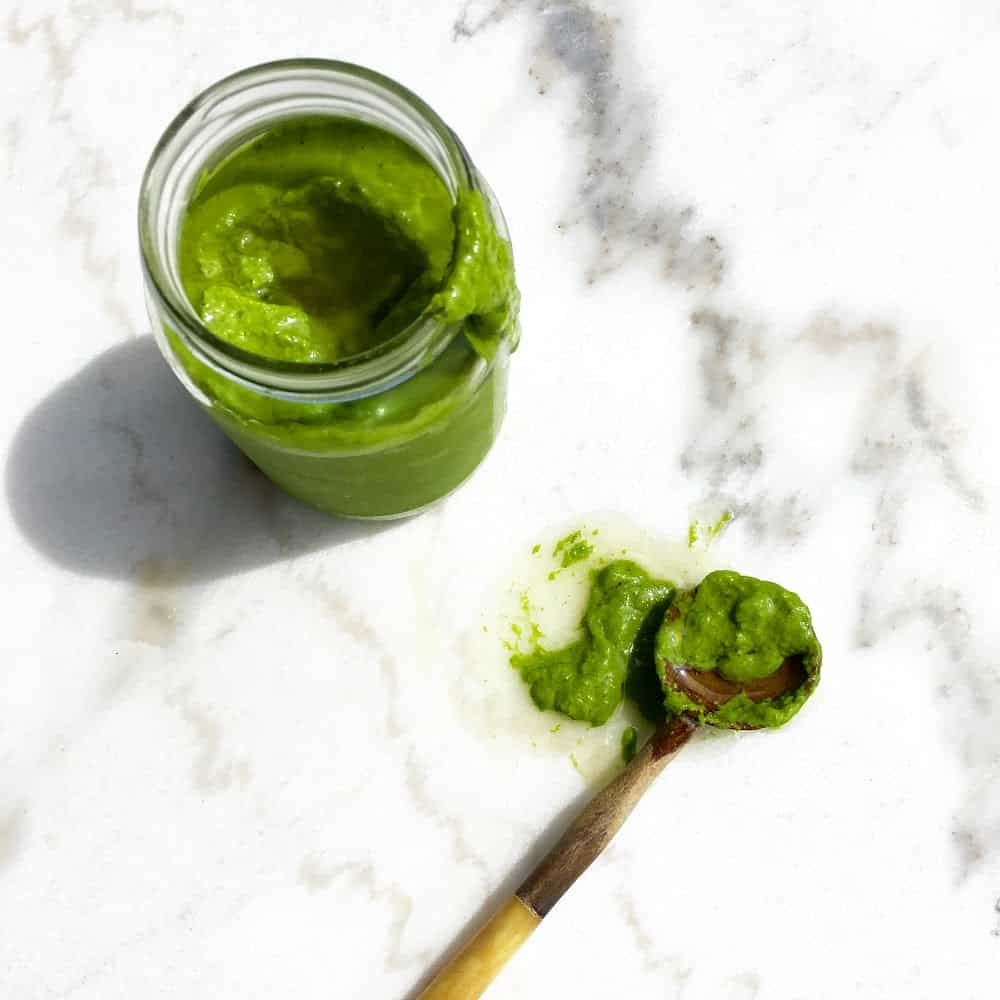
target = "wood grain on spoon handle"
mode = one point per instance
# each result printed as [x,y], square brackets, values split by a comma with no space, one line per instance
[601,819]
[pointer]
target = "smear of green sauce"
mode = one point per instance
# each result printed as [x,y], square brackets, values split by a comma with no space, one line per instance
[630,744]
[740,626]
[698,531]
[586,679]
[572,549]
[535,633]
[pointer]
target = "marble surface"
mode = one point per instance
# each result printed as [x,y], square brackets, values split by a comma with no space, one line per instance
[248,752]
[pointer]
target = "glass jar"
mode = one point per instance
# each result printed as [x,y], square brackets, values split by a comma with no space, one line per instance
[380,434]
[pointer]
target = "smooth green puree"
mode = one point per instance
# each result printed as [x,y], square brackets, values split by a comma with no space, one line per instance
[743,629]
[320,241]
[740,627]
[586,679]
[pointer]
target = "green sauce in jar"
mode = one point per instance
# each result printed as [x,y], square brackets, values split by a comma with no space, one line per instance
[326,243]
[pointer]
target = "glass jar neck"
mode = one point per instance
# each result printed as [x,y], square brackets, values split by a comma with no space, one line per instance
[226,117]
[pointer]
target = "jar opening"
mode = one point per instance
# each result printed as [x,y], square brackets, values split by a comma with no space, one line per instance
[228,116]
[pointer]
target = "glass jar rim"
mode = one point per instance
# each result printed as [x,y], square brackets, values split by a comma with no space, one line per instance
[373,371]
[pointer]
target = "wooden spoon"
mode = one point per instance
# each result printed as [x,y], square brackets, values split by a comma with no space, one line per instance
[471,971]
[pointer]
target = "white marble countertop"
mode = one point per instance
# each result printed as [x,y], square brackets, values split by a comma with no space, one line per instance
[248,752]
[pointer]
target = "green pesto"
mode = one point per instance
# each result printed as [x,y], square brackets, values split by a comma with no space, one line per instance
[572,549]
[707,533]
[642,682]
[742,628]
[630,743]
[716,529]
[586,679]
[324,239]
[535,633]
[739,626]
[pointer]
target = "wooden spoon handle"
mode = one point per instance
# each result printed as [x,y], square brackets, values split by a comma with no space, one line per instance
[477,964]
[472,970]
[603,817]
